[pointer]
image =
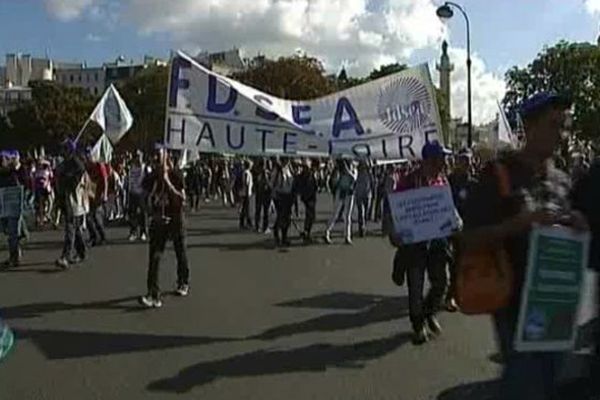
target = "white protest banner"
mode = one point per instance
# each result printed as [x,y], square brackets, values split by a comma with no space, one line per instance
[423,214]
[112,115]
[11,201]
[389,118]
[553,290]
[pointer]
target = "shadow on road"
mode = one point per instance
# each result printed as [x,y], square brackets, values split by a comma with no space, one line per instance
[472,391]
[58,345]
[369,310]
[35,310]
[315,358]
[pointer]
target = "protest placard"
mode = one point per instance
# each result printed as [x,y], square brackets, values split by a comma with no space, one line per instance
[11,201]
[552,293]
[423,214]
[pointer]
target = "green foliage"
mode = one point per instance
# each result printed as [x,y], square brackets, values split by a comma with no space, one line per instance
[55,113]
[567,68]
[146,98]
[298,77]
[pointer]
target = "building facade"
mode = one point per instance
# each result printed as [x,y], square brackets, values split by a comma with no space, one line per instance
[92,80]
[22,68]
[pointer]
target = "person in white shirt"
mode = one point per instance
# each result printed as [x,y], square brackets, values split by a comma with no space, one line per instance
[245,193]
[283,197]
[138,210]
[344,199]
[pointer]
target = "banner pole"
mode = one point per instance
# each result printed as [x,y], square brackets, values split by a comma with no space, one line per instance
[82,129]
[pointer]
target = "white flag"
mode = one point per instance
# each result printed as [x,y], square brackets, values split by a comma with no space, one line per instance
[102,150]
[505,135]
[112,115]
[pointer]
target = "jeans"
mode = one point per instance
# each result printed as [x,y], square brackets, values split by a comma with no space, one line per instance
[283,205]
[362,204]
[74,242]
[424,258]
[160,233]
[262,202]
[526,376]
[310,209]
[138,213]
[245,212]
[347,203]
[11,227]
[95,224]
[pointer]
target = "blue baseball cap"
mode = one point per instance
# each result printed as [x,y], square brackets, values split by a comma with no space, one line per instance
[434,149]
[541,101]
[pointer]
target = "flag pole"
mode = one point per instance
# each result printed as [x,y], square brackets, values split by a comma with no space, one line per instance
[82,129]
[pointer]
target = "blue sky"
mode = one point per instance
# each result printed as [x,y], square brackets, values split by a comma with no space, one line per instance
[356,33]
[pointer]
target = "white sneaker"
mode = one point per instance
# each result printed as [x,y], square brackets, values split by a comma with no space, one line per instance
[268,231]
[150,302]
[144,238]
[183,290]
[132,238]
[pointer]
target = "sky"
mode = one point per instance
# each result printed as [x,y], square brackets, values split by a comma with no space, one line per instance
[356,34]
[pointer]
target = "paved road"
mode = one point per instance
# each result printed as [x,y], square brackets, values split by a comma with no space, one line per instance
[320,322]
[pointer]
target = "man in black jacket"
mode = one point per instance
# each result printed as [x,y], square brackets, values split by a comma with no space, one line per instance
[307,186]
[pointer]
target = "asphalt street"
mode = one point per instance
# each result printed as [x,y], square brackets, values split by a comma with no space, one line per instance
[318,322]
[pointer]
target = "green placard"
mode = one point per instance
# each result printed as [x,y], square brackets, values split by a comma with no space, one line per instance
[553,288]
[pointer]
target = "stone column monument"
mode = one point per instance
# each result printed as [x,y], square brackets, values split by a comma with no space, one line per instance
[445,68]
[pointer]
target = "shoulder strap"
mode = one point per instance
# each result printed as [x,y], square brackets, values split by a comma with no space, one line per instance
[504,183]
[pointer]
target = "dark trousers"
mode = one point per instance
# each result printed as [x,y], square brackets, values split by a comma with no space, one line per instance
[262,203]
[283,205]
[310,211]
[526,375]
[95,224]
[160,233]
[74,242]
[425,258]
[138,214]
[195,195]
[245,220]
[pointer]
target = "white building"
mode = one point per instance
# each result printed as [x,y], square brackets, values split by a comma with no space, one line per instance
[22,68]
[91,79]
[11,97]
[223,63]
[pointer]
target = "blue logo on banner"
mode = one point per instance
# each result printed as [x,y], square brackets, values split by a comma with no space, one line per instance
[404,105]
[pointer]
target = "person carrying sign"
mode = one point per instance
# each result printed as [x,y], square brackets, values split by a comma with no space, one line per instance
[412,261]
[535,193]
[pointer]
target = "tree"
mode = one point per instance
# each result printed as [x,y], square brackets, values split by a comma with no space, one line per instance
[386,70]
[298,77]
[54,113]
[567,68]
[146,97]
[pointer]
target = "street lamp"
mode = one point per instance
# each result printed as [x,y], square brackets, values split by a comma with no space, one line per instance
[445,12]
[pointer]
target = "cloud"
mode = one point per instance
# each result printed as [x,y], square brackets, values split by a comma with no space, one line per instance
[487,87]
[90,37]
[358,34]
[67,10]
[592,6]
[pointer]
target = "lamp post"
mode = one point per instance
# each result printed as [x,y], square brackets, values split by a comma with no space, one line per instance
[445,12]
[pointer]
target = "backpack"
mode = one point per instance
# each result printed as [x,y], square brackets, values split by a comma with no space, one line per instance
[484,282]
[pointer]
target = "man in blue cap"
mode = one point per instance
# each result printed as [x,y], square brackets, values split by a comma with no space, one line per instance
[413,261]
[500,213]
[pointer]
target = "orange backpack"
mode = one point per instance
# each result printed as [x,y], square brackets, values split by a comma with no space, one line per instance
[484,282]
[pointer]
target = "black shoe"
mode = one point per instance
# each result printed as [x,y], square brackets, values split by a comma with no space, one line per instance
[286,243]
[420,336]
[434,325]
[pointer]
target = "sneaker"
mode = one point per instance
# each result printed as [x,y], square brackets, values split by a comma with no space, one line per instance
[434,325]
[150,301]
[451,305]
[7,264]
[286,243]
[183,290]
[420,336]
[144,237]
[348,241]
[327,238]
[62,263]
[268,231]
[132,238]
